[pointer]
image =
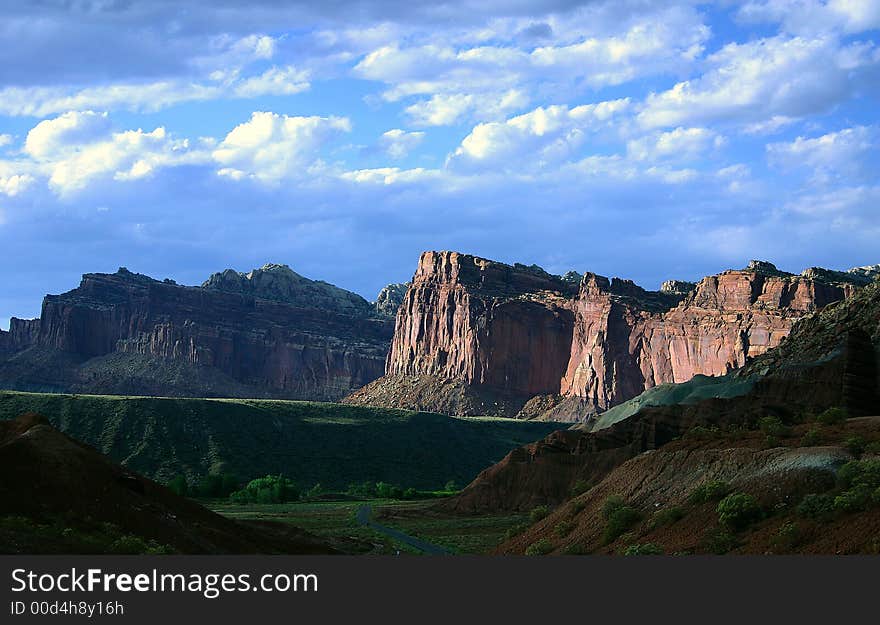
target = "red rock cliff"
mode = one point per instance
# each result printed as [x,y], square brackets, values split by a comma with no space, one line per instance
[510,333]
[484,323]
[243,343]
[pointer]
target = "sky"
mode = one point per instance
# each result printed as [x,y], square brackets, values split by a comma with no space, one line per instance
[646,140]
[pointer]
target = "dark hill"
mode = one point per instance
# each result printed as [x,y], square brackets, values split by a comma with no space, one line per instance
[59,495]
[310,442]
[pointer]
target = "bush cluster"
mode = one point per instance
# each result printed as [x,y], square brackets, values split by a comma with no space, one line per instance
[619,518]
[269,489]
[738,511]
[832,416]
[539,548]
[709,491]
[538,513]
[645,549]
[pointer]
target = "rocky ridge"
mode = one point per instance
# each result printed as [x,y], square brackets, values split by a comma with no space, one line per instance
[266,333]
[474,336]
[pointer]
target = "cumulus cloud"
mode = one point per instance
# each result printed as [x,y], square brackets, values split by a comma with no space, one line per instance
[843,154]
[270,147]
[447,109]
[153,96]
[543,136]
[15,184]
[74,127]
[681,143]
[5,139]
[489,81]
[398,143]
[74,149]
[814,16]
[779,77]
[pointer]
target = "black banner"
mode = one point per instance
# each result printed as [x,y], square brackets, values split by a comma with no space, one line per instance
[229,589]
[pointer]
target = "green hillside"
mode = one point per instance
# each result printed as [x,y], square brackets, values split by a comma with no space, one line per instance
[311,442]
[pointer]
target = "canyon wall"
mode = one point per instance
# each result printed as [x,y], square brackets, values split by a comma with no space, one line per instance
[519,338]
[269,333]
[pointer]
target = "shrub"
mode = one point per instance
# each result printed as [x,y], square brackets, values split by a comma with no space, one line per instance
[818,507]
[269,489]
[855,445]
[772,426]
[563,528]
[860,473]
[788,537]
[709,491]
[516,530]
[135,545]
[873,448]
[451,486]
[314,492]
[620,521]
[812,438]
[217,485]
[646,549]
[575,549]
[700,432]
[719,541]
[666,517]
[612,505]
[832,416]
[578,506]
[539,548]
[856,499]
[538,513]
[179,486]
[738,510]
[580,487]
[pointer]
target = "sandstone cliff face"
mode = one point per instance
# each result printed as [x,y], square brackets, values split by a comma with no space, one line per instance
[21,335]
[483,323]
[308,341]
[516,332]
[620,348]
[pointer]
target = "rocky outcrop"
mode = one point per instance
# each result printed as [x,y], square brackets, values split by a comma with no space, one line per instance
[830,359]
[21,335]
[389,299]
[515,332]
[502,330]
[268,333]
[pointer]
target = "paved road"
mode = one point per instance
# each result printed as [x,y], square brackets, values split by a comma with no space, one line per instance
[364,517]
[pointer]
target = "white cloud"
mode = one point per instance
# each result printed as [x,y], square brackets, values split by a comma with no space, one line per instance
[757,81]
[15,184]
[274,81]
[391,175]
[487,82]
[51,135]
[6,140]
[813,16]
[679,144]
[446,109]
[271,147]
[78,147]
[543,136]
[842,154]
[151,96]
[398,143]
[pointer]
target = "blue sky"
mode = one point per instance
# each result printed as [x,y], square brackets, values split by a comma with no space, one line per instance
[647,140]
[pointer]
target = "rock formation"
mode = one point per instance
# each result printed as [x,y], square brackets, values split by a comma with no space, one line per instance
[830,359]
[498,335]
[389,299]
[267,333]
